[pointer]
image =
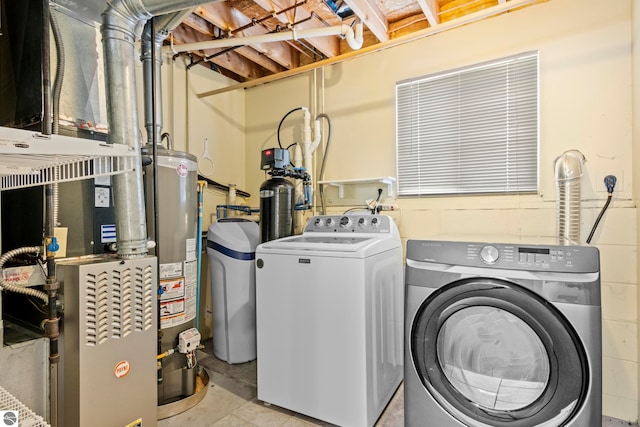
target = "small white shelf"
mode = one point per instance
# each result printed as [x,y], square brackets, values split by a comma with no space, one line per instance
[28,158]
[389,181]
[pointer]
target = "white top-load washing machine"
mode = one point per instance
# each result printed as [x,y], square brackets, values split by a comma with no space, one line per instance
[502,335]
[329,316]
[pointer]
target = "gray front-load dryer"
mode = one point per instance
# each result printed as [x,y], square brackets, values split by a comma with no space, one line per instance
[502,335]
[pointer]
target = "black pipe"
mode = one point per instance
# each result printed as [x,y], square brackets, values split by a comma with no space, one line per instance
[222,187]
[154,151]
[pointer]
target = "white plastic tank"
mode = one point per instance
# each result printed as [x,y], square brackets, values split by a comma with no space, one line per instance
[231,247]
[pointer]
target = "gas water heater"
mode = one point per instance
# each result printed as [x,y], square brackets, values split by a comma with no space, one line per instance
[176,222]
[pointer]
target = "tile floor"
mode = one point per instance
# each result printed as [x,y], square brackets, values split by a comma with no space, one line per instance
[231,402]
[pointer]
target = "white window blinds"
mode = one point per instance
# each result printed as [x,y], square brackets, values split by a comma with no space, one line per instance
[469,131]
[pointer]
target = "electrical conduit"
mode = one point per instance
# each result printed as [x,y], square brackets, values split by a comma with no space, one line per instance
[5,286]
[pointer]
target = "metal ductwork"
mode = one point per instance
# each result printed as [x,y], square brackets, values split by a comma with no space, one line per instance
[151,49]
[568,173]
[121,22]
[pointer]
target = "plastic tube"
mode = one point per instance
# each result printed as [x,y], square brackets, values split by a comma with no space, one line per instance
[201,187]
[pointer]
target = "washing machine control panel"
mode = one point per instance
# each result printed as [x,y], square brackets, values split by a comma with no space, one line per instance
[349,224]
[507,256]
[554,258]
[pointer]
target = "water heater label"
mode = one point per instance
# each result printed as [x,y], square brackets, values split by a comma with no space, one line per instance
[122,369]
[172,288]
[182,170]
[173,269]
[191,250]
[267,193]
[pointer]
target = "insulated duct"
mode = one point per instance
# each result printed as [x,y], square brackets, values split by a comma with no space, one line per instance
[568,172]
[121,21]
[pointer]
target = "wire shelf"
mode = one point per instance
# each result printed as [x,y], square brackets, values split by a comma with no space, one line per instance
[25,416]
[29,158]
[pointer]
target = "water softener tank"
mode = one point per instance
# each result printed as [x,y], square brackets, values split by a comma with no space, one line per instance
[177,221]
[276,209]
[231,247]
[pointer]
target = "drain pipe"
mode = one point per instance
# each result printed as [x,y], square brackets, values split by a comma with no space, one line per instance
[353,38]
[120,23]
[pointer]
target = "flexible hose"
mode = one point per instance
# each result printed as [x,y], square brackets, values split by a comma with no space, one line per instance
[19,289]
[595,225]
[60,66]
[57,91]
[324,161]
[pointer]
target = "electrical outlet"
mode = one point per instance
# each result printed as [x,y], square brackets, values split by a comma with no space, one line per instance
[388,207]
[600,186]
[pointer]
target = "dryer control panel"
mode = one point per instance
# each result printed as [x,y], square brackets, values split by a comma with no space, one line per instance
[577,259]
[378,224]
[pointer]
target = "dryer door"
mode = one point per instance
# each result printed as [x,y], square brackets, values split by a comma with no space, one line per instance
[496,354]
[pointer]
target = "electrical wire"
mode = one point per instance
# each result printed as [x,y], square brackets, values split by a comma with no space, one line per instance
[357,208]
[324,160]
[595,225]
[610,183]
[282,121]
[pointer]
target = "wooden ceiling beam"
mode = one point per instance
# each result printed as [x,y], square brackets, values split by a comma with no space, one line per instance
[372,17]
[225,58]
[431,10]
[228,19]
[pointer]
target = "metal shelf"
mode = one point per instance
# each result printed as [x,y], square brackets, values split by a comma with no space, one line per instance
[22,414]
[28,158]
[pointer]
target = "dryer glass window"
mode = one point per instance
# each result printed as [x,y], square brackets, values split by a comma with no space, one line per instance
[493,358]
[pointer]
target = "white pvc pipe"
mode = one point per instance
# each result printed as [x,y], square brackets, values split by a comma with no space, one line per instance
[354,39]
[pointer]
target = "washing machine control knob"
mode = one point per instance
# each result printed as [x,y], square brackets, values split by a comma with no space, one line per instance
[362,222]
[489,254]
[345,222]
[329,222]
[318,222]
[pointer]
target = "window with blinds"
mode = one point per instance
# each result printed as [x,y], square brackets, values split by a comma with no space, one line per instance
[472,130]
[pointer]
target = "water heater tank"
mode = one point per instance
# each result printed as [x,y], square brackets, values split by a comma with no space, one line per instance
[177,202]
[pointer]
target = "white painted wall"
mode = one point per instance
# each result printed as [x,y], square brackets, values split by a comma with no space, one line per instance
[635,27]
[191,119]
[585,103]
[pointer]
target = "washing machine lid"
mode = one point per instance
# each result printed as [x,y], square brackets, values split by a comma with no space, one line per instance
[493,353]
[329,244]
